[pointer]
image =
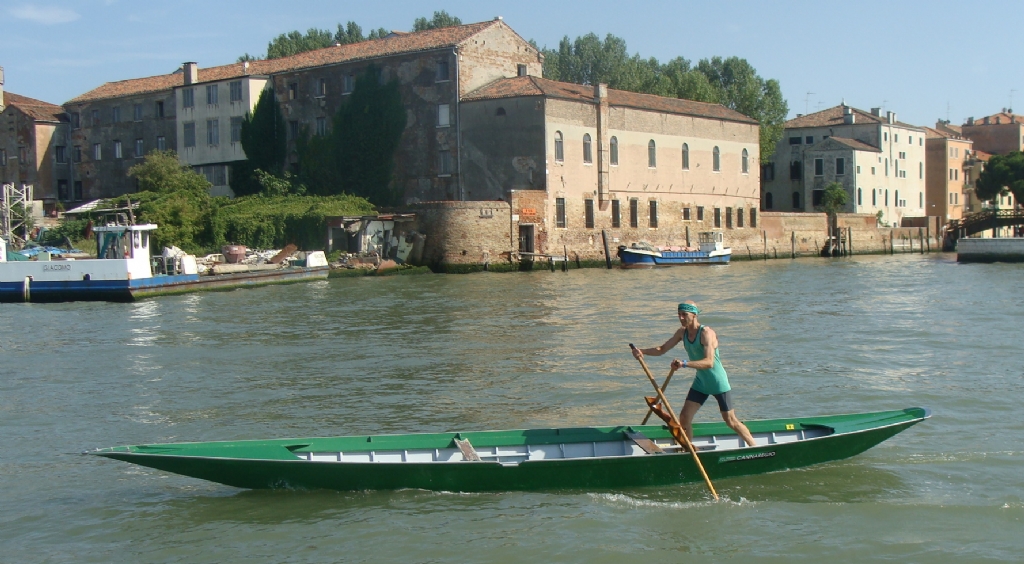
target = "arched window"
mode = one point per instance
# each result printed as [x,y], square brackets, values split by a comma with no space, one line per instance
[716,160]
[796,200]
[686,156]
[652,154]
[896,199]
[860,197]
[559,150]
[746,163]
[588,155]
[500,112]
[920,199]
[874,197]
[614,151]
[768,200]
[886,197]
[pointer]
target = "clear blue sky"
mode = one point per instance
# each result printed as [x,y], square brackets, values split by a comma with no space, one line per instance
[924,60]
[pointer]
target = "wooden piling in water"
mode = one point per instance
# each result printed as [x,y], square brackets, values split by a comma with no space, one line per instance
[607,255]
[792,244]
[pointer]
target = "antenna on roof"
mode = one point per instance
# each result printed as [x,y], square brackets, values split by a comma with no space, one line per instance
[1010,109]
[807,99]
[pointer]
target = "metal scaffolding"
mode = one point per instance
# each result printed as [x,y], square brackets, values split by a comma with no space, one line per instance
[14,211]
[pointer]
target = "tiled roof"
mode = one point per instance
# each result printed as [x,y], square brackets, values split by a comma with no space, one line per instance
[393,44]
[834,116]
[1002,118]
[849,144]
[35,109]
[536,86]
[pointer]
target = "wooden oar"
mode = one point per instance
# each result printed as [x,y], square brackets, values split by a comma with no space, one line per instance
[680,437]
[668,379]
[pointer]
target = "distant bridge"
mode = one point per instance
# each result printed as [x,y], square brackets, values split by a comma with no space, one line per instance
[977,222]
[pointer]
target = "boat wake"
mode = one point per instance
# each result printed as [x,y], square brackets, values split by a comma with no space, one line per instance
[624,500]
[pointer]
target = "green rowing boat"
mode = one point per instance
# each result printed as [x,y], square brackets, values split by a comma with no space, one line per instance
[536,459]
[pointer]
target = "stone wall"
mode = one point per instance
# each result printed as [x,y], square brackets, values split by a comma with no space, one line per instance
[465,232]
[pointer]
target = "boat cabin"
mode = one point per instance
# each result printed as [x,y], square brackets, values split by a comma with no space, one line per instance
[710,241]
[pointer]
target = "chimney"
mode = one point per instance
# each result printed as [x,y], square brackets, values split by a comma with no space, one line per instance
[890,117]
[848,117]
[876,112]
[603,140]
[986,120]
[970,121]
[1,87]
[191,72]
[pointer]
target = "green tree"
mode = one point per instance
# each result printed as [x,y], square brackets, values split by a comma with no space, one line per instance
[247,58]
[440,19]
[1002,173]
[265,143]
[174,197]
[294,42]
[834,199]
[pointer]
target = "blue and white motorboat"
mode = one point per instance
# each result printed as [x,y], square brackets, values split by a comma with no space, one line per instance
[710,251]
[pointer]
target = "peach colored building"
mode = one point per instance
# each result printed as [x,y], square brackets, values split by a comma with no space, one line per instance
[947,172]
[575,160]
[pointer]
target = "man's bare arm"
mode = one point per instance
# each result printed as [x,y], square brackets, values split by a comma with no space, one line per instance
[709,339]
[664,348]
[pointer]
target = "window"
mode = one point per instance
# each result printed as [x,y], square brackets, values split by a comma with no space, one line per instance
[22,156]
[59,153]
[187,98]
[686,214]
[653,214]
[559,150]
[117,150]
[874,197]
[160,109]
[76,120]
[794,140]
[588,156]
[444,162]
[614,151]
[686,156]
[920,199]
[500,112]
[920,170]
[895,137]
[652,154]
[896,199]
[768,171]
[321,87]
[796,200]
[560,213]
[634,213]
[213,132]
[728,218]
[235,90]
[348,84]
[745,162]
[62,189]
[718,217]
[809,140]
[887,167]
[887,198]
[885,135]
[443,115]
[76,154]
[78,190]
[700,213]
[137,112]
[190,134]
[716,160]
[616,214]
[520,70]
[739,217]
[767,202]
[95,118]
[910,139]
[236,130]
[293,90]
[860,197]
[3,157]
[211,94]
[321,126]
[840,166]
[293,130]
[115,114]
[794,171]
[442,71]
[819,167]
[97,152]
[161,142]
[816,197]
[753,218]
[139,149]
[589,213]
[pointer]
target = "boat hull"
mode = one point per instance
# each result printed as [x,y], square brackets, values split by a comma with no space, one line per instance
[130,290]
[278,464]
[632,259]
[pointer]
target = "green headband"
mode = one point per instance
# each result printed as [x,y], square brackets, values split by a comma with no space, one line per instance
[690,308]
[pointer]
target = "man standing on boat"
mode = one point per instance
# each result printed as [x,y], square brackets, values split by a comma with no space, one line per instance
[701,344]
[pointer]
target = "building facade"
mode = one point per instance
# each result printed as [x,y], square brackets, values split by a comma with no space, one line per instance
[947,172]
[879,160]
[34,146]
[996,134]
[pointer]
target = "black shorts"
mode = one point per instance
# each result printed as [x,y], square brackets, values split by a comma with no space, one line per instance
[724,399]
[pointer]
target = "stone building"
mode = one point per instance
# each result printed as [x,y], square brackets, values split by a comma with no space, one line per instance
[33,146]
[879,160]
[996,134]
[197,111]
[574,160]
[947,172]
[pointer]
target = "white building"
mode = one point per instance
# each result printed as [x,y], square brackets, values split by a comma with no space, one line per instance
[878,160]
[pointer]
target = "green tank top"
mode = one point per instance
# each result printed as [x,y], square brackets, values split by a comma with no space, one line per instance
[710,382]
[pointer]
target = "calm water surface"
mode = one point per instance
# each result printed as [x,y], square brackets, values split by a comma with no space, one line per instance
[493,351]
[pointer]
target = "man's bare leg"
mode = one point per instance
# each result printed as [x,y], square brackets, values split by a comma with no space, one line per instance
[686,417]
[736,425]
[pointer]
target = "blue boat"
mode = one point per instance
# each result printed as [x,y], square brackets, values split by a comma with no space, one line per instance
[124,271]
[710,251]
